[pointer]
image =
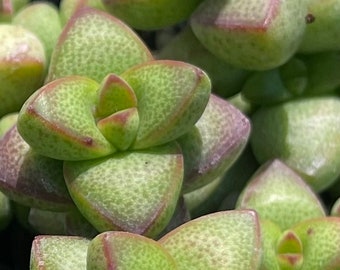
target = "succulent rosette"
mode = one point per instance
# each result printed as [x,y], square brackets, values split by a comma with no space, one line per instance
[110,134]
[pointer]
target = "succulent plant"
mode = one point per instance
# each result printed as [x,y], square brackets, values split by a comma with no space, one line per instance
[254,35]
[22,66]
[316,159]
[169,134]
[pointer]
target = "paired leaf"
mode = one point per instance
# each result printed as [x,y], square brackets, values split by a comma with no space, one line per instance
[320,239]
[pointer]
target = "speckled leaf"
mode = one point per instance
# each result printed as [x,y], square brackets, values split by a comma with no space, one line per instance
[94,44]
[320,241]
[223,240]
[306,137]
[38,14]
[29,178]
[127,251]
[57,121]
[214,144]
[277,193]
[22,66]
[58,253]
[129,191]
[114,95]
[171,96]
[255,35]
[120,128]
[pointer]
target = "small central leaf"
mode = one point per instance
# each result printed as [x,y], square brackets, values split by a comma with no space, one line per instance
[115,94]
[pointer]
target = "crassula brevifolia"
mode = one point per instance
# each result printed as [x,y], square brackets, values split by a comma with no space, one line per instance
[115,125]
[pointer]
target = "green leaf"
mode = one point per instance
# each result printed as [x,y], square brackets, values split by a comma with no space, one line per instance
[255,35]
[214,144]
[171,96]
[304,134]
[223,240]
[320,239]
[29,178]
[277,193]
[130,191]
[123,250]
[94,44]
[58,122]
[58,253]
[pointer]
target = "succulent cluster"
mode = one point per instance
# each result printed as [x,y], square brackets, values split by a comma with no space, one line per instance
[217,148]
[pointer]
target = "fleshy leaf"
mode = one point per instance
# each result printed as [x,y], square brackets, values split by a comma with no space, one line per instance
[58,252]
[255,35]
[306,137]
[277,193]
[83,49]
[223,240]
[130,191]
[114,95]
[320,239]
[289,251]
[29,178]
[123,250]
[22,66]
[171,96]
[215,142]
[38,14]
[322,33]
[58,122]
[120,128]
